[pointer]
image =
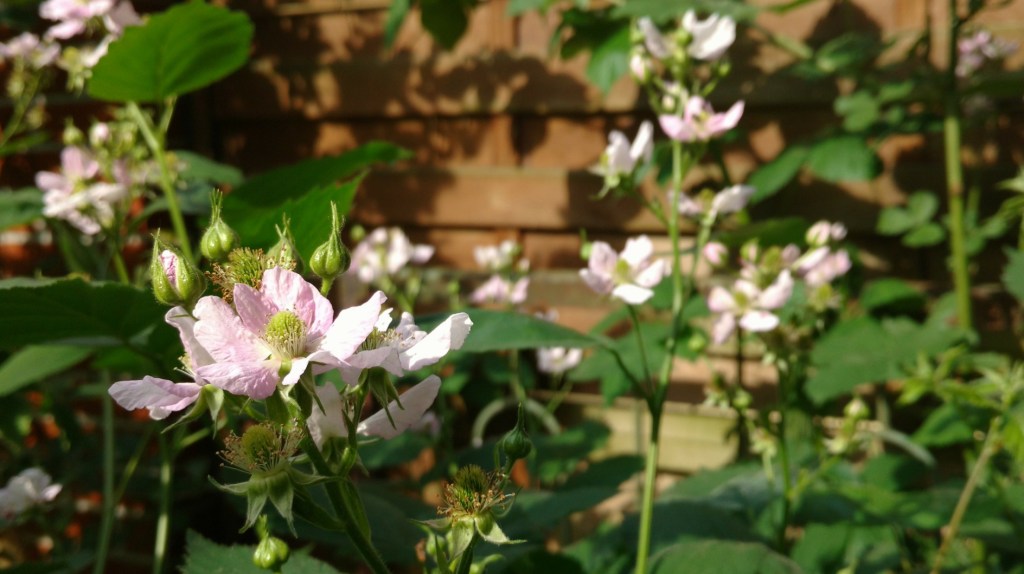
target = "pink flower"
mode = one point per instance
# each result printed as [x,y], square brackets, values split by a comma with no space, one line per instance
[331,421]
[699,121]
[710,38]
[73,15]
[72,194]
[828,268]
[384,252]
[729,200]
[716,253]
[621,157]
[160,396]
[630,276]
[748,306]
[28,488]
[501,291]
[656,43]
[496,258]
[406,347]
[27,47]
[273,335]
[823,232]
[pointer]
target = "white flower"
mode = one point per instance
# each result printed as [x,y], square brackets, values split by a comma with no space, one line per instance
[556,360]
[75,196]
[828,268]
[630,276]
[384,252]
[657,44]
[748,306]
[28,47]
[822,232]
[710,37]
[494,258]
[331,421]
[28,488]
[699,122]
[716,253]
[729,200]
[406,347]
[621,157]
[500,290]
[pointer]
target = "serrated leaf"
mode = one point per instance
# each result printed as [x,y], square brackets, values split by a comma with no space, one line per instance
[20,207]
[843,158]
[771,177]
[205,557]
[723,557]
[72,310]
[188,47]
[36,362]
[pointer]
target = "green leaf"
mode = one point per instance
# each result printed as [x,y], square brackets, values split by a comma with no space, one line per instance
[446,20]
[558,455]
[768,233]
[892,295]
[302,191]
[722,557]
[72,310]
[20,207]
[944,426]
[925,236]
[843,158]
[610,60]
[661,11]
[188,47]
[203,169]
[36,362]
[859,110]
[205,557]
[894,220]
[1013,273]
[922,206]
[397,12]
[771,177]
[388,453]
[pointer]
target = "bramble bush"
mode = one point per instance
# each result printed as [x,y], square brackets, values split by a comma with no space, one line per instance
[276,428]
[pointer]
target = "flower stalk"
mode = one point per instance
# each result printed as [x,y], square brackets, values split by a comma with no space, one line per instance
[955,177]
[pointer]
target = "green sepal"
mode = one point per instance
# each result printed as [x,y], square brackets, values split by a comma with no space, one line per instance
[256,499]
[211,399]
[383,390]
[461,536]
[354,503]
[489,530]
[281,494]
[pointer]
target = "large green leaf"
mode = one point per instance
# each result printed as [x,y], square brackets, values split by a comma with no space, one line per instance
[303,192]
[505,330]
[205,557]
[891,295]
[843,158]
[722,557]
[610,60]
[446,20]
[73,311]
[188,47]
[36,362]
[776,174]
[20,207]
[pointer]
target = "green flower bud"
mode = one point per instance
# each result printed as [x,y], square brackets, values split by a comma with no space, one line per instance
[271,553]
[331,258]
[72,135]
[176,281]
[516,443]
[218,239]
[283,253]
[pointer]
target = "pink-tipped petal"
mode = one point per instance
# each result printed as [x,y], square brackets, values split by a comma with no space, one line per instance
[222,334]
[729,119]
[602,258]
[352,326]
[447,336]
[253,380]
[160,396]
[415,402]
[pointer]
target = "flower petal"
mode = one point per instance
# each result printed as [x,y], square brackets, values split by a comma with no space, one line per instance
[254,380]
[351,327]
[632,294]
[289,291]
[449,335]
[253,308]
[329,422]
[160,396]
[758,321]
[185,323]
[415,402]
[223,335]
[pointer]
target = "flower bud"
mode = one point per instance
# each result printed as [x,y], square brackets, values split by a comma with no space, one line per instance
[819,234]
[331,258]
[271,553]
[750,251]
[283,253]
[716,254]
[72,136]
[219,239]
[516,443]
[176,281]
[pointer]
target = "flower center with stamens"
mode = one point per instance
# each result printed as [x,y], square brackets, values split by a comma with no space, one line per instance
[286,333]
[377,339]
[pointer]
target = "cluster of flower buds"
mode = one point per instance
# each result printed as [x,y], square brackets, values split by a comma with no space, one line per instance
[507,285]
[81,193]
[77,17]
[768,276]
[980,48]
[30,487]
[629,276]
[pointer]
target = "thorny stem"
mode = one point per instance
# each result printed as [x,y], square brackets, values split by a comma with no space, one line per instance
[352,527]
[955,178]
[989,448]
[155,140]
[107,520]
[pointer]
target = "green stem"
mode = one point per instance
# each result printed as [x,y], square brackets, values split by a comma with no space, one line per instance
[119,266]
[640,342]
[107,519]
[352,527]
[955,178]
[988,449]
[163,521]
[784,462]
[466,560]
[155,139]
[647,503]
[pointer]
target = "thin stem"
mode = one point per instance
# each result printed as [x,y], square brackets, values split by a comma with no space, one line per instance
[647,503]
[163,521]
[784,462]
[107,520]
[988,449]
[362,542]
[119,266]
[955,178]
[156,142]
[640,342]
